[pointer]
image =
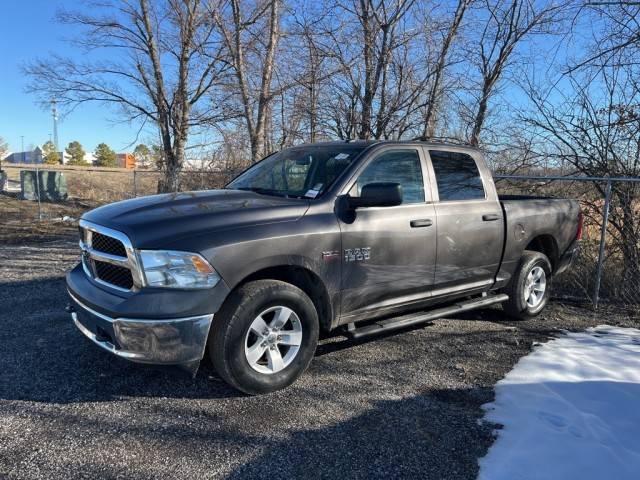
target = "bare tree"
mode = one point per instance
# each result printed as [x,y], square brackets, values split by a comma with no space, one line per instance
[507,24]
[595,128]
[166,58]
[4,148]
[382,72]
[378,22]
[619,37]
[253,62]
[435,90]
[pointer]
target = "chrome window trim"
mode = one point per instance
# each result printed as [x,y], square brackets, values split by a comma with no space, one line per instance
[131,261]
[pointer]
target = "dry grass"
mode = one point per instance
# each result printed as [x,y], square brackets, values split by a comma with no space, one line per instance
[88,188]
[20,223]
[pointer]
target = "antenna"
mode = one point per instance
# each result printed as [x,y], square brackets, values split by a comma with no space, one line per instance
[54,113]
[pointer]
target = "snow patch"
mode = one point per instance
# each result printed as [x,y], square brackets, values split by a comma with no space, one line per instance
[570,410]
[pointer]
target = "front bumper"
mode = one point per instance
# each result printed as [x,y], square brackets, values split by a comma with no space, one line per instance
[163,341]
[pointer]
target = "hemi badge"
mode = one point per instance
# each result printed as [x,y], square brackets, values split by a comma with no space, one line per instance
[330,255]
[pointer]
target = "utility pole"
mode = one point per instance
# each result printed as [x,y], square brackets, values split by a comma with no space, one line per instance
[54,113]
[22,147]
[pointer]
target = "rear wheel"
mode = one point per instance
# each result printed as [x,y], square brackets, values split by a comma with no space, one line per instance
[529,288]
[264,337]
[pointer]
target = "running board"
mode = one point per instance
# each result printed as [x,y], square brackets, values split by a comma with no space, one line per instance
[404,321]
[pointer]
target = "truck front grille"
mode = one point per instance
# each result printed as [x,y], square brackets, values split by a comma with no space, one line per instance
[108,257]
[115,275]
[103,243]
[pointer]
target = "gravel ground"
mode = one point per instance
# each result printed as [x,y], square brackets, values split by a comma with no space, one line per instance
[405,405]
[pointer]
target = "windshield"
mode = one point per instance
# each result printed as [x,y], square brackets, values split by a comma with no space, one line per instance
[302,172]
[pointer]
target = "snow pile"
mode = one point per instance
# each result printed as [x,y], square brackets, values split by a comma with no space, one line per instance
[570,410]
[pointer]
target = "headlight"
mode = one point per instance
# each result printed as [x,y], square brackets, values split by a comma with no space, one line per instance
[171,269]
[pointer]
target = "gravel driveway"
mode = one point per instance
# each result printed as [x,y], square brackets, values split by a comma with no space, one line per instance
[405,405]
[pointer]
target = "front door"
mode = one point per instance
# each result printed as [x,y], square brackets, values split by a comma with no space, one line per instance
[470,224]
[389,252]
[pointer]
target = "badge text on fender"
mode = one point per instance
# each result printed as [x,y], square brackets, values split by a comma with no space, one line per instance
[357,254]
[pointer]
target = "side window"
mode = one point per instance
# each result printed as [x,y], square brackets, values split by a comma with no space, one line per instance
[457,176]
[397,166]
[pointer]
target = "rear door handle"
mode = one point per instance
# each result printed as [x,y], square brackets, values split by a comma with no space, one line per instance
[424,222]
[490,217]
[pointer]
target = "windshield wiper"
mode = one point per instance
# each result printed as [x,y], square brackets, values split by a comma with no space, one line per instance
[263,191]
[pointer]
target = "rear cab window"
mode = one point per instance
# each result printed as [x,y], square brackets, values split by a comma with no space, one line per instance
[401,166]
[457,176]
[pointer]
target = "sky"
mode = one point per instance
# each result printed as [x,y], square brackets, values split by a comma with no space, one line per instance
[29,31]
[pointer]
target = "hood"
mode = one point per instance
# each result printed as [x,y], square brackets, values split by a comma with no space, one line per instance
[157,220]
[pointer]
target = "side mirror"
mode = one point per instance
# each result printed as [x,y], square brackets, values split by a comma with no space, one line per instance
[380,194]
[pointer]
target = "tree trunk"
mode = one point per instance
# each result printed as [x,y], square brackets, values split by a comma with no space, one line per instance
[259,144]
[481,114]
[435,93]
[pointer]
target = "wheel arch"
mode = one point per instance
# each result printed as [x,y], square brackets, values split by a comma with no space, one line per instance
[547,245]
[303,278]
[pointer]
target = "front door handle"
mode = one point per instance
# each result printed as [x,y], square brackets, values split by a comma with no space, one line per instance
[490,217]
[424,222]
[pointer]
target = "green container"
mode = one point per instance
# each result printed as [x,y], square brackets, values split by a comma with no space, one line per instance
[52,185]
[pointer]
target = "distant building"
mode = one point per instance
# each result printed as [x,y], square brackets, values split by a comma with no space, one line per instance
[34,156]
[89,158]
[126,160]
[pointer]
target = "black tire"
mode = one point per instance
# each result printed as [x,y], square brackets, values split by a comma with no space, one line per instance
[517,306]
[231,325]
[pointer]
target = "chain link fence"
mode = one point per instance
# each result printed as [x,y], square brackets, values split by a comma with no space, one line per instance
[607,269]
[30,214]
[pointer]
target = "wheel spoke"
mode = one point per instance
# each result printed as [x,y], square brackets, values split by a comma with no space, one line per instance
[274,359]
[290,337]
[255,352]
[259,326]
[273,339]
[535,286]
[281,317]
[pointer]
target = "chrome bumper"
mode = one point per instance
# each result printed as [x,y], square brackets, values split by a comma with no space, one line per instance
[167,341]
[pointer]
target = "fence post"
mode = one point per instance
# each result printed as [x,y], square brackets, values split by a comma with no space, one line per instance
[38,189]
[603,238]
[135,184]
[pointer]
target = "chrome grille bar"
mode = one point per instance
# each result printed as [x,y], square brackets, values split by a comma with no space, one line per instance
[90,255]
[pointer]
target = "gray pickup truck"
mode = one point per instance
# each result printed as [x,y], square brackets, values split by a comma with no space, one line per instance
[366,236]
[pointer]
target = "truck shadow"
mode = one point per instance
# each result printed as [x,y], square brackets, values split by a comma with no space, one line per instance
[337,339]
[45,359]
[433,435]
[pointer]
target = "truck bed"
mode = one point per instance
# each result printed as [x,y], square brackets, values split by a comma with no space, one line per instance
[529,219]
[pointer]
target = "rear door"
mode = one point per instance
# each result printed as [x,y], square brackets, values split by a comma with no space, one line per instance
[470,222]
[389,252]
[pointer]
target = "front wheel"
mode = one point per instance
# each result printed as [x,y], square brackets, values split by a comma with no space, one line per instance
[264,337]
[529,288]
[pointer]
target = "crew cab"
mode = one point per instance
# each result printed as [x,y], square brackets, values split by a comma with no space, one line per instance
[366,236]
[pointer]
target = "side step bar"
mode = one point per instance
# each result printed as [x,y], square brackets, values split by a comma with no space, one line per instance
[404,321]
